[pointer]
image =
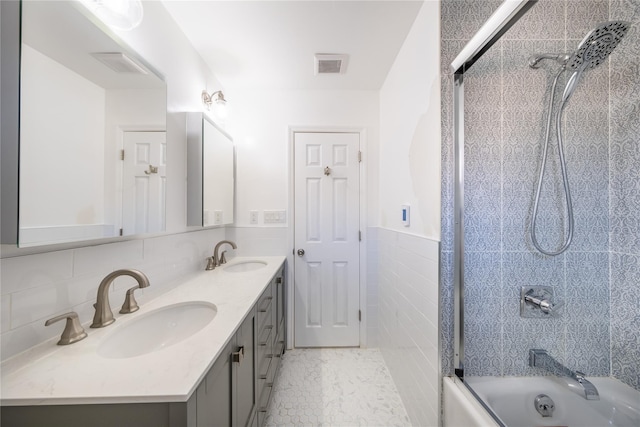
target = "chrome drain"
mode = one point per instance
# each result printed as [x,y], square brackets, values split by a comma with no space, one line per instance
[544,405]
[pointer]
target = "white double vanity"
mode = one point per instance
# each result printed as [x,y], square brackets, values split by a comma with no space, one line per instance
[205,353]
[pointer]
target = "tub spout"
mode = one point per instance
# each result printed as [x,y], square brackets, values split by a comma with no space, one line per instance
[539,358]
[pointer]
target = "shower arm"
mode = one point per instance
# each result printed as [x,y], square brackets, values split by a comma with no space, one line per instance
[560,58]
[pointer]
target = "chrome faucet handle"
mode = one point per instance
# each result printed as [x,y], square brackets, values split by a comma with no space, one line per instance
[536,301]
[130,304]
[222,259]
[73,330]
[211,263]
[547,306]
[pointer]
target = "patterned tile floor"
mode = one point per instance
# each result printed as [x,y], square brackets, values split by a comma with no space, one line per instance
[335,387]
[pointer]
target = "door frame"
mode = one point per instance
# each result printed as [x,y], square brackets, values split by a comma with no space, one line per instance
[362,285]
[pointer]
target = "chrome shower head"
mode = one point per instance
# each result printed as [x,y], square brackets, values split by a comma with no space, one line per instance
[597,45]
[592,51]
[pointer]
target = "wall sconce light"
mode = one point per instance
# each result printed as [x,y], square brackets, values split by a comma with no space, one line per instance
[218,101]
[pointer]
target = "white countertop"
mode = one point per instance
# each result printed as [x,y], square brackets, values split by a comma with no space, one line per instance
[49,374]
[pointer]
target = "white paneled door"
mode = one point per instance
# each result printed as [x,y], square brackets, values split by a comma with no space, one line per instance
[327,239]
[144,182]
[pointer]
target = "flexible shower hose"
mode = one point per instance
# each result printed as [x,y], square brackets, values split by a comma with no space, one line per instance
[563,168]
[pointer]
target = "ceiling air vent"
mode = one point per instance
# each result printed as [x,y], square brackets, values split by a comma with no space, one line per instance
[119,62]
[330,63]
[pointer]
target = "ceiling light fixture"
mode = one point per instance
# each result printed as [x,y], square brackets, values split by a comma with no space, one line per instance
[218,101]
[118,14]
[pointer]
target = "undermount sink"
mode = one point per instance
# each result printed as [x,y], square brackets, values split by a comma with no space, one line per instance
[157,329]
[244,266]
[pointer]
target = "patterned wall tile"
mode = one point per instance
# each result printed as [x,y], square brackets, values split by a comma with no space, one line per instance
[588,348]
[461,19]
[446,312]
[625,318]
[586,312]
[625,143]
[483,307]
[545,20]
[583,15]
[587,290]
[483,345]
[628,10]
[521,335]
[605,183]
[587,153]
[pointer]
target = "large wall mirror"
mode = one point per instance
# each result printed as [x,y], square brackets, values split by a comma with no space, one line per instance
[210,173]
[92,131]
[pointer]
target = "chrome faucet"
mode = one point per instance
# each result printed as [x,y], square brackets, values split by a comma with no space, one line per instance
[539,358]
[215,260]
[104,315]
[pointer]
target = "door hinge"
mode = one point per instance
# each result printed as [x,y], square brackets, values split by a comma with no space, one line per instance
[359,156]
[359,236]
[359,315]
[121,154]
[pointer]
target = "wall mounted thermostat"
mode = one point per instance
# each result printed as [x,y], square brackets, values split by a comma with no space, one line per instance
[406,210]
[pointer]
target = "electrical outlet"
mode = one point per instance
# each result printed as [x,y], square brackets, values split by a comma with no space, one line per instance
[253,217]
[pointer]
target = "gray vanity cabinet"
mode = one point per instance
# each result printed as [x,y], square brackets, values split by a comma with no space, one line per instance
[226,396]
[270,340]
[244,373]
[213,397]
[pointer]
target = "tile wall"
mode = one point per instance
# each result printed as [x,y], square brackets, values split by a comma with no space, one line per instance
[505,104]
[37,287]
[407,268]
[624,210]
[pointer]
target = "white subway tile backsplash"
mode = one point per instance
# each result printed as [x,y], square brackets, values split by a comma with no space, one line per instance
[37,287]
[31,271]
[19,339]
[255,241]
[104,259]
[5,312]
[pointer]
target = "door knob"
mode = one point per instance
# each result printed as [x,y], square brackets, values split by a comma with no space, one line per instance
[300,252]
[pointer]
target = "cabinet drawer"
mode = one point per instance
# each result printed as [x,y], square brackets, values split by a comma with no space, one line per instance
[264,310]
[265,343]
[264,399]
[263,370]
[271,374]
[263,375]
[261,418]
[278,347]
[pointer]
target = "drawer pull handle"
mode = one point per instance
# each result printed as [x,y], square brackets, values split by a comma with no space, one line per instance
[265,304]
[238,356]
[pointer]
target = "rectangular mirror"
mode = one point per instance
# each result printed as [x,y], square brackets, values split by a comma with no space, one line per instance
[92,131]
[210,176]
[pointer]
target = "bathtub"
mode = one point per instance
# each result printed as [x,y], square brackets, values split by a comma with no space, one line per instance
[512,401]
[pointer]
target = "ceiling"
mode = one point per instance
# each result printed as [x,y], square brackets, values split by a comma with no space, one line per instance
[271,44]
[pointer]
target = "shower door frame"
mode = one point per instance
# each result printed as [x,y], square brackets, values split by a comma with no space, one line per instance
[509,12]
